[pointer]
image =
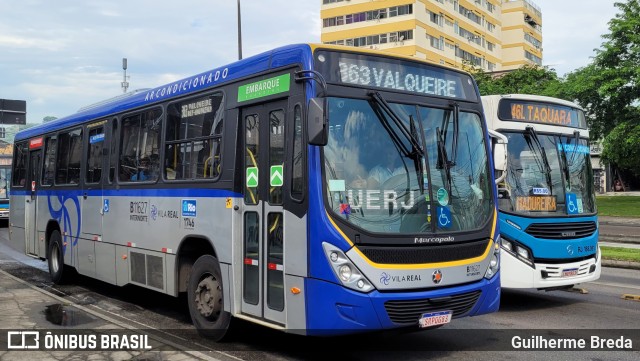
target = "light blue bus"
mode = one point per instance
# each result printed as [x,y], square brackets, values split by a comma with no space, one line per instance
[548,219]
[251,188]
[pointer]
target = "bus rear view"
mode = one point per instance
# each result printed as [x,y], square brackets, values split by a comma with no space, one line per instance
[548,219]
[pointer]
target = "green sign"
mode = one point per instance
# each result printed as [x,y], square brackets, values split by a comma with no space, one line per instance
[263,88]
[276,176]
[252,177]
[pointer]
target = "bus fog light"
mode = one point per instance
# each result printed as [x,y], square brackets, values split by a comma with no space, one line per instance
[494,262]
[334,257]
[345,273]
[360,283]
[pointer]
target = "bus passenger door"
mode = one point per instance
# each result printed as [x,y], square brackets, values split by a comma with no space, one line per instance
[31,206]
[263,216]
[92,203]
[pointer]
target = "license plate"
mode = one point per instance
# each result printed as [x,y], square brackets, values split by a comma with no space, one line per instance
[435,318]
[569,272]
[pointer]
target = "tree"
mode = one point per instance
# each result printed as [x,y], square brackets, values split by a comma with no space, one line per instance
[48,118]
[609,88]
[529,79]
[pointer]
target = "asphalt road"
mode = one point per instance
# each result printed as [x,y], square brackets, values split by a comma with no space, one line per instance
[599,309]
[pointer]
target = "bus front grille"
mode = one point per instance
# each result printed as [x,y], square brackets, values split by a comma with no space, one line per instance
[408,312]
[571,230]
[424,254]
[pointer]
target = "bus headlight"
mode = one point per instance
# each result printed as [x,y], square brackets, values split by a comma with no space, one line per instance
[345,270]
[519,251]
[494,263]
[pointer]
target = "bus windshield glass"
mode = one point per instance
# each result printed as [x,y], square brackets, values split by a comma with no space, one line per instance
[5,181]
[561,184]
[379,180]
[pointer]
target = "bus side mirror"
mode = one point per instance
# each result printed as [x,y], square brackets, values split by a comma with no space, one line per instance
[317,122]
[499,147]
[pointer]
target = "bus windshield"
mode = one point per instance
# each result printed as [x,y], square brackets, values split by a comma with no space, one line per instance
[547,175]
[378,181]
[5,180]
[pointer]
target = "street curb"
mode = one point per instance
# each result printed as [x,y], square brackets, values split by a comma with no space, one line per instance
[618,239]
[620,264]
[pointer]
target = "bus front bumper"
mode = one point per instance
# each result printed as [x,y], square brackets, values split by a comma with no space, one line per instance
[333,309]
[545,276]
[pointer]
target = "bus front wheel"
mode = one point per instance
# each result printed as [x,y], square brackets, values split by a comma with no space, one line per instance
[205,294]
[55,256]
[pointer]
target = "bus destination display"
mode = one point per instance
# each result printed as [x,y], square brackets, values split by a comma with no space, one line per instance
[544,113]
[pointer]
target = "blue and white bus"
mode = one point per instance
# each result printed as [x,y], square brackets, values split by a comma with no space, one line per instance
[548,219]
[5,181]
[248,187]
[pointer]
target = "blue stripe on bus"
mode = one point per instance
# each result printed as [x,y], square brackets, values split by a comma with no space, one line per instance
[178,192]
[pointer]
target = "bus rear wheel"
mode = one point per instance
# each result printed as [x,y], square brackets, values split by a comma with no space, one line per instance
[205,294]
[55,255]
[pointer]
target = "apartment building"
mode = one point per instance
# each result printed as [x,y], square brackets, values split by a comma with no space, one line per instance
[495,35]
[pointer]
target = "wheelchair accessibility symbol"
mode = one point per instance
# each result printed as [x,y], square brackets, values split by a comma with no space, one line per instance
[572,203]
[444,217]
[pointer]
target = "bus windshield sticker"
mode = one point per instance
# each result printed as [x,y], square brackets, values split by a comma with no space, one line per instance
[337,185]
[263,88]
[444,217]
[443,197]
[540,191]
[572,203]
[536,204]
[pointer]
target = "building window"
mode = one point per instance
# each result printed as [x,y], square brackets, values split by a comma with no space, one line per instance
[490,46]
[533,58]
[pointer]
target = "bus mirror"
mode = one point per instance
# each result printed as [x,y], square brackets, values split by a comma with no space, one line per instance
[499,146]
[317,123]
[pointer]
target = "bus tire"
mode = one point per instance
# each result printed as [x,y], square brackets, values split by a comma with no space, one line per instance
[205,294]
[55,256]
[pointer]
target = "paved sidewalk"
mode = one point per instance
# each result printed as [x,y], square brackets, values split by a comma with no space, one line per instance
[24,307]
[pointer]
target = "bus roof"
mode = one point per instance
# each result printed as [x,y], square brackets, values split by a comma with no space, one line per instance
[279,57]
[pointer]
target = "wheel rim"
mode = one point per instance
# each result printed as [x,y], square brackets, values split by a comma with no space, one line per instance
[55,259]
[209,297]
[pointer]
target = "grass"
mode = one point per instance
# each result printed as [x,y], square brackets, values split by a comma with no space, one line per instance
[620,254]
[618,206]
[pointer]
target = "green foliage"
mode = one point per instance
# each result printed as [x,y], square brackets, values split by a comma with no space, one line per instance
[622,147]
[608,88]
[48,118]
[528,79]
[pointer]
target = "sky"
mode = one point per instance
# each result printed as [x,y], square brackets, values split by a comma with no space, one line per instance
[62,55]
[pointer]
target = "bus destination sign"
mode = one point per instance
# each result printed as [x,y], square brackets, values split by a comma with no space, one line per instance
[537,112]
[407,76]
[536,204]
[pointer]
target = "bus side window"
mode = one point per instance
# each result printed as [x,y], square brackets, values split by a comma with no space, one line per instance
[139,146]
[193,135]
[68,157]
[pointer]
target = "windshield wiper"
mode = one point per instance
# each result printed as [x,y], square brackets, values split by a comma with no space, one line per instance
[417,149]
[443,160]
[543,153]
[565,160]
